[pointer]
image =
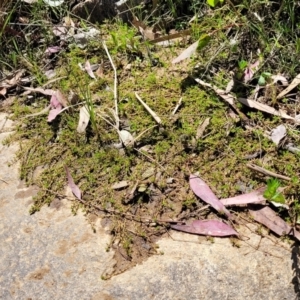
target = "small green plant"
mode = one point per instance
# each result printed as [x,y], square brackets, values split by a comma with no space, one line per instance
[214,3]
[264,78]
[272,193]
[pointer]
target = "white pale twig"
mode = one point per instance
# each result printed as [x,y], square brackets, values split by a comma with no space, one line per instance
[177,106]
[149,110]
[106,118]
[150,158]
[142,133]
[115,84]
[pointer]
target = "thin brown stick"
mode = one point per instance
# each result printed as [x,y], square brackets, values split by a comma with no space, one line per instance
[267,172]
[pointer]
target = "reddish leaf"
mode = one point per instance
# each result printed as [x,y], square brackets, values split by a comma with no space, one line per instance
[61,98]
[53,113]
[250,70]
[52,49]
[75,189]
[56,107]
[202,190]
[253,197]
[268,217]
[207,227]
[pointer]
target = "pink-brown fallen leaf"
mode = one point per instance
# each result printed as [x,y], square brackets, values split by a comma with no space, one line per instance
[60,30]
[88,68]
[74,188]
[56,107]
[3,91]
[52,49]
[61,98]
[268,217]
[203,191]
[207,227]
[294,83]
[253,197]
[250,70]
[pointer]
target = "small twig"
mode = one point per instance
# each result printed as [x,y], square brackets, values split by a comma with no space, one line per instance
[42,112]
[142,133]
[150,111]
[150,158]
[115,85]
[267,172]
[172,36]
[112,211]
[3,180]
[177,106]
[53,80]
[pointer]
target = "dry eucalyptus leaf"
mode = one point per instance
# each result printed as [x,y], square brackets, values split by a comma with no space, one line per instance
[147,33]
[186,53]
[265,108]
[88,68]
[203,191]
[207,227]
[126,137]
[279,78]
[293,84]
[61,98]
[12,80]
[269,218]
[148,173]
[278,133]
[201,128]
[229,86]
[250,70]
[84,118]
[3,91]
[56,108]
[142,188]
[120,185]
[75,189]
[253,197]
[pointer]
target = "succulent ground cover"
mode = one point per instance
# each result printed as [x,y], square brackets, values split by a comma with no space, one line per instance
[123,113]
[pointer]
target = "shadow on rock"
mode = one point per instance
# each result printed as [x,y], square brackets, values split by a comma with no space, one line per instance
[296,268]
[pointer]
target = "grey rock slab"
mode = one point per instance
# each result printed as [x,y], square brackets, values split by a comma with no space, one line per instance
[194,268]
[56,255]
[51,254]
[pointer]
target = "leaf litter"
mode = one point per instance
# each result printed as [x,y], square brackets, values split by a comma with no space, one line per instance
[132,186]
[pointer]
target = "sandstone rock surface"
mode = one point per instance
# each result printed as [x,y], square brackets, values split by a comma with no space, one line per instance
[56,255]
